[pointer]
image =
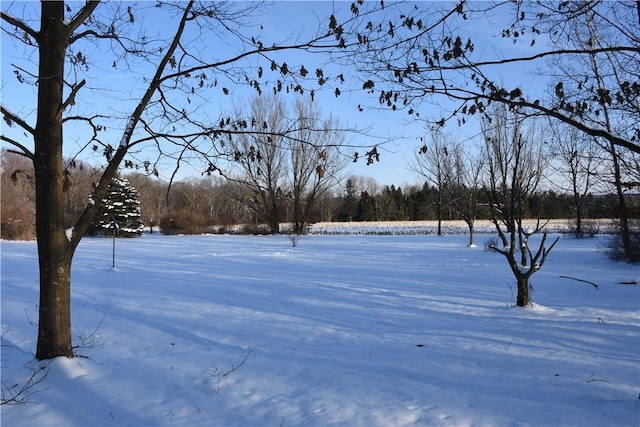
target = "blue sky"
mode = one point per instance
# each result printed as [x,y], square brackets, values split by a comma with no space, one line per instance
[115,90]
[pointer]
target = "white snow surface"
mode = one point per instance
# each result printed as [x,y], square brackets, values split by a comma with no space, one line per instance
[341,330]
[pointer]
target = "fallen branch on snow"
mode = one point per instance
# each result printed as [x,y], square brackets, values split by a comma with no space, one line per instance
[580,280]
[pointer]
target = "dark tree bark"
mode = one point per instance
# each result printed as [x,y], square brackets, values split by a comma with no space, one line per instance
[523,299]
[54,327]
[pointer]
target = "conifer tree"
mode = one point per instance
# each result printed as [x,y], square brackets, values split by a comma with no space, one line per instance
[349,202]
[120,209]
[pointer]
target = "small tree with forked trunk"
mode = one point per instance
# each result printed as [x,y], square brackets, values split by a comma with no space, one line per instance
[514,170]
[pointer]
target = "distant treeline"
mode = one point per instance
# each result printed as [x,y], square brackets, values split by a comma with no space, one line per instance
[213,203]
[416,203]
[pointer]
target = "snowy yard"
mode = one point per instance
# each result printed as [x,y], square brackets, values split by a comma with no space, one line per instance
[341,330]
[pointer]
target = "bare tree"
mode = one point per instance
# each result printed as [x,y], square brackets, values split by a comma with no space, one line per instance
[316,162]
[465,188]
[262,159]
[170,80]
[288,168]
[231,206]
[153,201]
[579,167]
[434,162]
[514,169]
[606,80]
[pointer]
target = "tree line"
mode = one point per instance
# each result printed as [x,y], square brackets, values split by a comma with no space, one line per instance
[215,204]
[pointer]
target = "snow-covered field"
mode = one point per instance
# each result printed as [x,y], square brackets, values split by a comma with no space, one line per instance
[450,227]
[340,330]
[414,227]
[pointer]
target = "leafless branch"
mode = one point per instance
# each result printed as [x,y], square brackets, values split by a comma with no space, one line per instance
[24,151]
[580,280]
[71,98]
[20,394]
[10,117]
[81,17]
[215,370]
[19,24]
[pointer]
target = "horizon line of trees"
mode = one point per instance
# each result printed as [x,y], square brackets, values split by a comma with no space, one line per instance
[212,203]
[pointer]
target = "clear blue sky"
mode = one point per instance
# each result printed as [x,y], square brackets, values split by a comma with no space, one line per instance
[285,20]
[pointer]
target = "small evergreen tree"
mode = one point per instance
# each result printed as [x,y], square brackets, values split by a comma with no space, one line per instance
[121,205]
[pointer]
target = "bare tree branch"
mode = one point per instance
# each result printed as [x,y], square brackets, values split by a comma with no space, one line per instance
[81,17]
[20,24]
[71,98]
[11,117]
[100,191]
[24,150]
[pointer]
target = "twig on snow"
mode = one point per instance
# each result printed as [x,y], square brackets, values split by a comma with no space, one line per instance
[580,280]
[214,370]
[592,378]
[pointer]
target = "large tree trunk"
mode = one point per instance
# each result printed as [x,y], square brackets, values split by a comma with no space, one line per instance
[54,327]
[54,254]
[523,298]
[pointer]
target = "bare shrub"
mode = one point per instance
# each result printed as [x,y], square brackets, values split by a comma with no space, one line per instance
[294,238]
[12,228]
[257,229]
[615,247]
[184,222]
[589,228]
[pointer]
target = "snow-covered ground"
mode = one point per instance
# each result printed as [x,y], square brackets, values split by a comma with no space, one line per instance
[340,330]
[449,227]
